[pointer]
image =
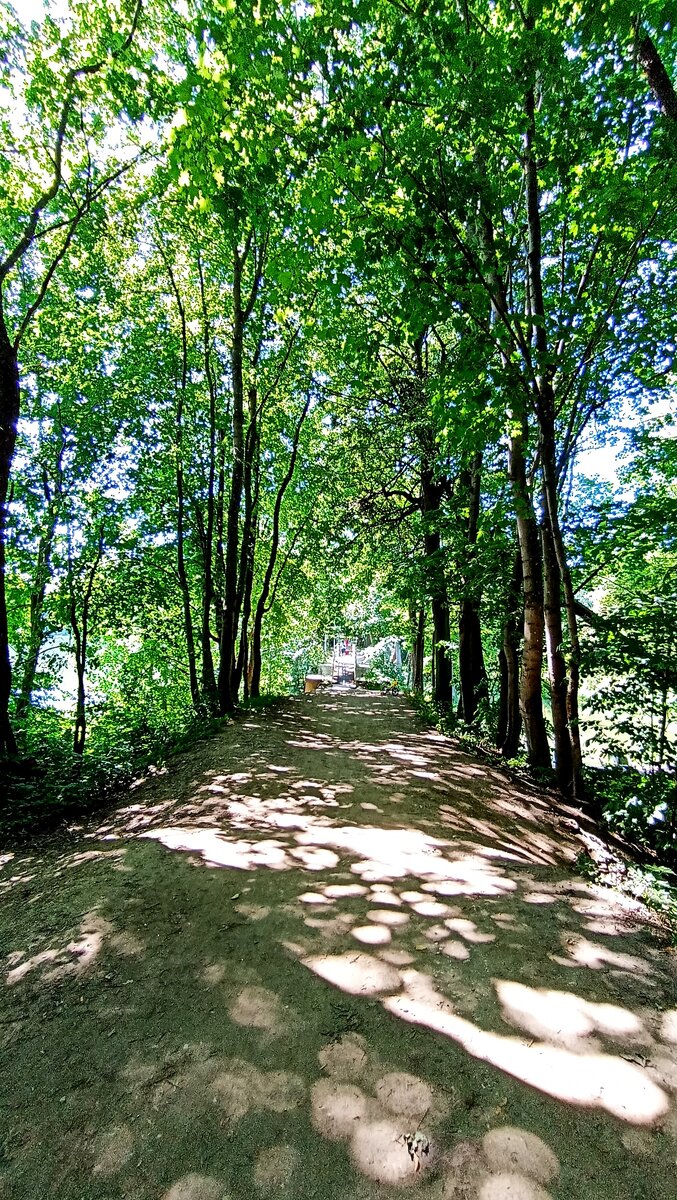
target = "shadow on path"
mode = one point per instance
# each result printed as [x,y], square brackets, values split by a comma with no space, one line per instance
[366,938]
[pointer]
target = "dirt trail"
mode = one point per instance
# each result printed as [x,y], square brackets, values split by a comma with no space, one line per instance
[321,949]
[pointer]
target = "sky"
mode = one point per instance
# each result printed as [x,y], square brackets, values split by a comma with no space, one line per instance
[33,10]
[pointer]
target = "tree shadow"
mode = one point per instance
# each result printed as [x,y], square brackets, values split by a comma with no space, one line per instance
[342,957]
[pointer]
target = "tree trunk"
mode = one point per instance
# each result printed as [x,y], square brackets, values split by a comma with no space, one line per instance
[262,603]
[573,664]
[180,499]
[654,68]
[208,680]
[417,626]
[226,680]
[219,575]
[9,417]
[557,675]
[248,544]
[471,666]
[431,494]
[81,640]
[531,702]
[510,717]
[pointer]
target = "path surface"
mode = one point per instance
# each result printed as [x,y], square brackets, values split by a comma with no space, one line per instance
[314,937]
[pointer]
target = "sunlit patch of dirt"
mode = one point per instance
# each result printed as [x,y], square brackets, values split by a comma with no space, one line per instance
[114,1150]
[196,1187]
[275,1167]
[374,1112]
[405,1095]
[510,1150]
[262,1009]
[346,1058]
[75,957]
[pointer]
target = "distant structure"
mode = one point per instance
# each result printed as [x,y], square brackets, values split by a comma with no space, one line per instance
[343,660]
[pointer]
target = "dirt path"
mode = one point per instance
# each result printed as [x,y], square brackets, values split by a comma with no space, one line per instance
[318,936]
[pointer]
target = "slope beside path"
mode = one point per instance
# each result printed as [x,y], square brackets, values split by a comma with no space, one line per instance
[326,955]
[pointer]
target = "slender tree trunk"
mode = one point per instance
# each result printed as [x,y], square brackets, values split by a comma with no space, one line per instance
[180,500]
[531,701]
[437,589]
[248,543]
[80,727]
[220,560]
[262,603]
[9,417]
[510,717]
[472,669]
[208,680]
[36,621]
[227,695]
[81,641]
[557,675]
[417,626]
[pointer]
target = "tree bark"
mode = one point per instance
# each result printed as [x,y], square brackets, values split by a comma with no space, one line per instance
[431,494]
[9,417]
[208,675]
[180,500]
[227,699]
[531,702]
[657,77]
[557,674]
[510,717]
[262,603]
[248,542]
[417,626]
[81,641]
[471,665]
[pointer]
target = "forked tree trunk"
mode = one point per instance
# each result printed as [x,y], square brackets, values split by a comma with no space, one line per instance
[232,583]
[227,697]
[265,594]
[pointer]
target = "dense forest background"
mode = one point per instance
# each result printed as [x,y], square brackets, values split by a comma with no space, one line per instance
[339,316]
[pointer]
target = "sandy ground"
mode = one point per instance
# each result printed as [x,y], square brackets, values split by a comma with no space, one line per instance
[326,949]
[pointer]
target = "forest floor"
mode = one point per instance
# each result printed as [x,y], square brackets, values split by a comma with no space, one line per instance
[318,950]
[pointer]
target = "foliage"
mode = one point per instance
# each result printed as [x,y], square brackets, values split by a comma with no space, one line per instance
[654,885]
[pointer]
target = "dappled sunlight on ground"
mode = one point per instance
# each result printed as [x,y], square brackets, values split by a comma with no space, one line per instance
[331,956]
[75,957]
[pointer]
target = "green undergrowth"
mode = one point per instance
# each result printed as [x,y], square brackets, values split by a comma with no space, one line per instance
[47,784]
[654,885]
[640,806]
[477,737]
